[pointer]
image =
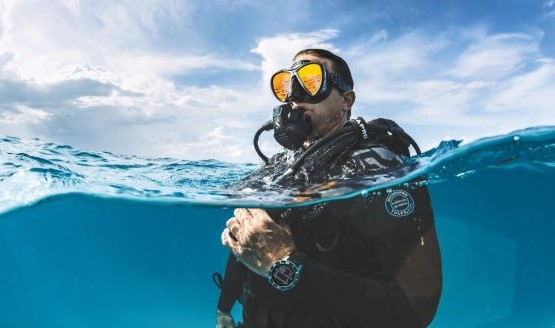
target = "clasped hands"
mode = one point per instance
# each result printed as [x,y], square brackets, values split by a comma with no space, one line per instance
[256,239]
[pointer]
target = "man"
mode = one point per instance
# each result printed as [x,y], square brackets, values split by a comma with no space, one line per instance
[363,262]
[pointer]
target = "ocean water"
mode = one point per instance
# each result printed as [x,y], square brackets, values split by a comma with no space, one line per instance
[96,239]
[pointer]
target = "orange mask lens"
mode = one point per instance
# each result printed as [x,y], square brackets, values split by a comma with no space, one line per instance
[311,76]
[280,84]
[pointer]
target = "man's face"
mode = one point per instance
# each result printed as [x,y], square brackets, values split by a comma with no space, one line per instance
[329,114]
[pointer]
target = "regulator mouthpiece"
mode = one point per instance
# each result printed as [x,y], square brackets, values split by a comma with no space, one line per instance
[291,128]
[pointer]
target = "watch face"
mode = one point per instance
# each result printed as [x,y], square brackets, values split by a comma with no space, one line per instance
[284,274]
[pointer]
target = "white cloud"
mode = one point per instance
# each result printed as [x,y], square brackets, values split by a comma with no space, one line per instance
[5,19]
[530,91]
[90,79]
[5,59]
[495,56]
[116,36]
[278,51]
[379,36]
[90,74]
[22,115]
[468,82]
[549,6]
[207,146]
[382,70]
[399,55]
[155,118]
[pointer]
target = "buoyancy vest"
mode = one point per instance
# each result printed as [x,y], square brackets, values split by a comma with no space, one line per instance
[387,236]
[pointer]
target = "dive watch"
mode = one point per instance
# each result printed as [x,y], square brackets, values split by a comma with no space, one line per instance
[284,274]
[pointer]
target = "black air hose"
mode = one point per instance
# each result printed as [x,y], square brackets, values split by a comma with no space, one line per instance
[266,127]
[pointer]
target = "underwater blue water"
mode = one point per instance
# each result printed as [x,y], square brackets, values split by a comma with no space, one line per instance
[90,239]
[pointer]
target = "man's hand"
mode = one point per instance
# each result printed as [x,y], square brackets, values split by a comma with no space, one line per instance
[224,320]
[257,240]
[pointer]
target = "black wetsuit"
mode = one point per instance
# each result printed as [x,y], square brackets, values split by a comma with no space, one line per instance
[372,261]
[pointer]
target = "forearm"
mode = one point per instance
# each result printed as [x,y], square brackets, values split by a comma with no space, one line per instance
[235,275]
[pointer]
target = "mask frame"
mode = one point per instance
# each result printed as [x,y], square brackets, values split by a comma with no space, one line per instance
[298,91]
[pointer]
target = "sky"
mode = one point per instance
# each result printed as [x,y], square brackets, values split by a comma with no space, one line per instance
[190,79]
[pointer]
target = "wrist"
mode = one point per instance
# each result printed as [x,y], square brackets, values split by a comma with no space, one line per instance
[284,274]
[224,320]
[275,256]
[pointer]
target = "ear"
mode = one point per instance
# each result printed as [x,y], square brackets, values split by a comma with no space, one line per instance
[348,99]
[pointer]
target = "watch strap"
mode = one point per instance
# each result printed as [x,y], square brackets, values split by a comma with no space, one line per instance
[298,257]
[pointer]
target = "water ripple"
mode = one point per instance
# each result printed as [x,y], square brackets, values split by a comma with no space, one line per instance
[33,169]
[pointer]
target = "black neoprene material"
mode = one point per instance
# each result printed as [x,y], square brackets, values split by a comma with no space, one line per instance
[365,266]
[232,285]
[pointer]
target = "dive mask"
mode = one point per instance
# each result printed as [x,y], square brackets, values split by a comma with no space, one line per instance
[307,82]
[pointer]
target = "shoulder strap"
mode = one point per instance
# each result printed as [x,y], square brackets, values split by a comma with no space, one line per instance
[385,132]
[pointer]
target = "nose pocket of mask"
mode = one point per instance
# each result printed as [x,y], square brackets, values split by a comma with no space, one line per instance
[295,90]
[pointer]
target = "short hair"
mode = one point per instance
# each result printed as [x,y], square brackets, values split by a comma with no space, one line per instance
[339,64]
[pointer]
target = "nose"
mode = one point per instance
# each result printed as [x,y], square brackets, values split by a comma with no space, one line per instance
[295,91]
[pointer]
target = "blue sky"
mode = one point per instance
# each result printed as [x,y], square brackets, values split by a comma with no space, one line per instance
[189,79]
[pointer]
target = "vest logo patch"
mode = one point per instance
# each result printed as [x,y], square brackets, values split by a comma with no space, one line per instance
[399,203]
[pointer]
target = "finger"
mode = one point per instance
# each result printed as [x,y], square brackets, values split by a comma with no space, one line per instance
[242,214]
[224,237]
[234,246]
[260,214]
[238,211]
[232,220]
[228,241]
[234,228]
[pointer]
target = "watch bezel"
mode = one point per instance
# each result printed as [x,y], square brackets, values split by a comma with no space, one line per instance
[290,264]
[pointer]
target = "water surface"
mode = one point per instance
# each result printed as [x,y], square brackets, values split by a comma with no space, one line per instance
[91,239]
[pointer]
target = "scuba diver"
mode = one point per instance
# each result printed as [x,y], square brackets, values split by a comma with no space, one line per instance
[368,261]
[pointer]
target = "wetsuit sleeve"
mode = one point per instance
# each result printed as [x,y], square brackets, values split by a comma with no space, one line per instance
[398,282]
[232,284]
